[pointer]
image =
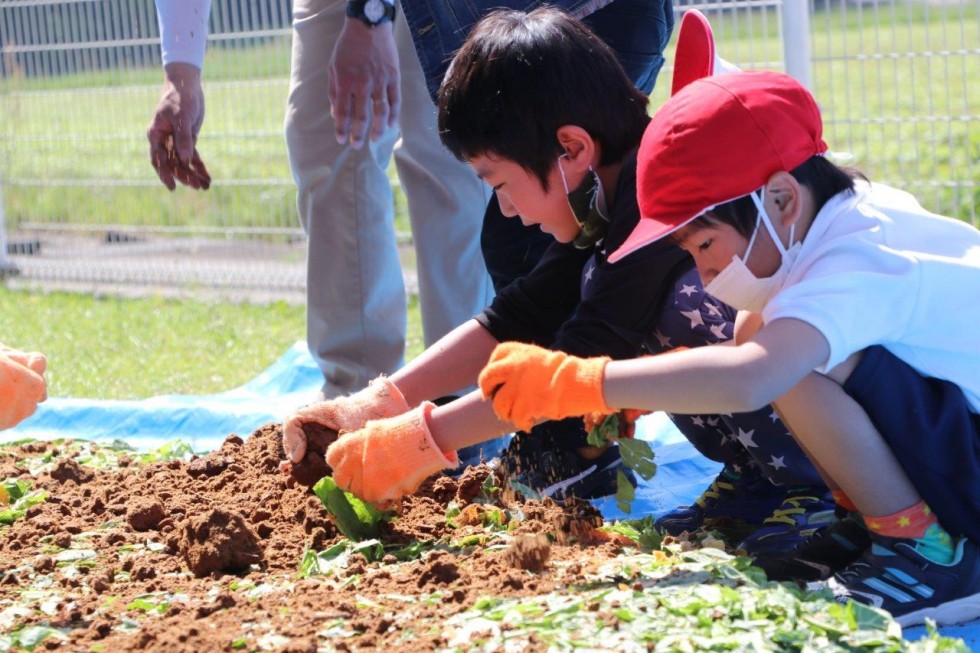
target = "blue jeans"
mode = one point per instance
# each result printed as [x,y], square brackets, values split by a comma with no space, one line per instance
[638,30]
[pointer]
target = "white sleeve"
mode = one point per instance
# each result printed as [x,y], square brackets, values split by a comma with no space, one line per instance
[183,30]
[856,296]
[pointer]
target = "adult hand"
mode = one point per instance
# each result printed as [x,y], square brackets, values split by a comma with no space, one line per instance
[388,458]
[22,385]
[528,384]
[364,82]
[380,399]
[173,131]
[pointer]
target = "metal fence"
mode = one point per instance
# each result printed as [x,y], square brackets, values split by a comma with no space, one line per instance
[80,206]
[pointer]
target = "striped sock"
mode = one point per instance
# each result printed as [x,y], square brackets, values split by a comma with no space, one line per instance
[920,524]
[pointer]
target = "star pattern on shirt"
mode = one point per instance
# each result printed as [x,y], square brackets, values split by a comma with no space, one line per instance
[695,317]
[745,437]
[718,331]
[588,273]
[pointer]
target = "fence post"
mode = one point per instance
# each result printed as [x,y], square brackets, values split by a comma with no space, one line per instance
[797,52]
[6,265]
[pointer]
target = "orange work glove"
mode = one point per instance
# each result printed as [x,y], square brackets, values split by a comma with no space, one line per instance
[388,458]
[380,399]
[22,385]
[528,383]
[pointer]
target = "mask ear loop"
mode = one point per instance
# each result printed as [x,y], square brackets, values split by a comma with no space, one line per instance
[561,171]
[564,183]
[759,201]
[755,233]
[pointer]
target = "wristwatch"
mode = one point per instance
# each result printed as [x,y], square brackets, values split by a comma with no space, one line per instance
[371,12]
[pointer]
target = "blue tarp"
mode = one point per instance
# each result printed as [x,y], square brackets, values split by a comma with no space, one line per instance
[203,421]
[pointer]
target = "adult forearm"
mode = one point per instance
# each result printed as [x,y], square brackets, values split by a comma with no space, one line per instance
[183,30]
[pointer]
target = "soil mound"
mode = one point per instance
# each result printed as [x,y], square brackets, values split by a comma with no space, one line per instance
[199,554]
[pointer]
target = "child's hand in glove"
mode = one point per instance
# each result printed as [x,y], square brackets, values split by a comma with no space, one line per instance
[380,399]
[22,385]
[388,458]
[528,383]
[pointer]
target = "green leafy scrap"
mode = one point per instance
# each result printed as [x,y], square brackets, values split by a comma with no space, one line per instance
[642,531]
[625,492]
[356,519]
[175,450]
[701,600]
[638,456]
[150,603]
[20,498]
[336,557]
[530,493]
[27,638]
[605,433]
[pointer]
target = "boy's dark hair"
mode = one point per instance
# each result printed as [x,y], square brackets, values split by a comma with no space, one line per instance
[820,176]
[520,76]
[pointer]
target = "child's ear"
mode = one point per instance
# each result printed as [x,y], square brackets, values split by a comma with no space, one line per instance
[582,151]
[783,198]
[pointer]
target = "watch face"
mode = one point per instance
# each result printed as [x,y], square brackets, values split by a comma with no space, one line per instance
[374,10]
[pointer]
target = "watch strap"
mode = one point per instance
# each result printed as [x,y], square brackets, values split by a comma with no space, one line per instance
[359,9]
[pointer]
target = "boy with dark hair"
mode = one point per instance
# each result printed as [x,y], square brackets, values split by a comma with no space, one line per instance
[543,112]
[854,282]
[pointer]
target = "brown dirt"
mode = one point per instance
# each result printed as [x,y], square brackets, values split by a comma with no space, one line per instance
[221,538]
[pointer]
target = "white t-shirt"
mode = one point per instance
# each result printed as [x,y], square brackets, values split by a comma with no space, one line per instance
[183,30]
[878,269]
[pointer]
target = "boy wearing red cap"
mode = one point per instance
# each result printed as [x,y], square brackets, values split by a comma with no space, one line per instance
[853,281]
[540,108]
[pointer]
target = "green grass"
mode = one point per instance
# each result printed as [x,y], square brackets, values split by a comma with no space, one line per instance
[72,148]
[113,348]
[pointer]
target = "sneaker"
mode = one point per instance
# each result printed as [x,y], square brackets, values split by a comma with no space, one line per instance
[733,498]
[893,576]
[803,512]
[825,552]
[564,474]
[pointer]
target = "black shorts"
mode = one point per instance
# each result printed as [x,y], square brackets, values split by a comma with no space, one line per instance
[931,427]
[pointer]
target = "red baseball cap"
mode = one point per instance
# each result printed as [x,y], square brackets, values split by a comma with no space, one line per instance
[717,139]
[694,56]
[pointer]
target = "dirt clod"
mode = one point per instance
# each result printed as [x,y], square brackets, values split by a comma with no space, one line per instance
[218,540]
[313,467]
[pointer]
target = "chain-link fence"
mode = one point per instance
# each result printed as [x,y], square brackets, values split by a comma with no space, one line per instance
[79,80]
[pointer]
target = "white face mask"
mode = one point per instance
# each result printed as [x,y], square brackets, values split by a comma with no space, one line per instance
[737,286]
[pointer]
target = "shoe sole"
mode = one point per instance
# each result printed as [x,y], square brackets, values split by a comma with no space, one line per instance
[950,613]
